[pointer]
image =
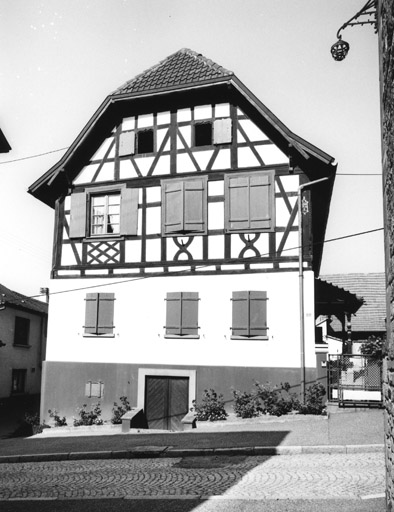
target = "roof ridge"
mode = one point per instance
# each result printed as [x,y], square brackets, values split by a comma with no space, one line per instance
[147,73]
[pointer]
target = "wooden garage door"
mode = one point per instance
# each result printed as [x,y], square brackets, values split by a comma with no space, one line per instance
[166,401]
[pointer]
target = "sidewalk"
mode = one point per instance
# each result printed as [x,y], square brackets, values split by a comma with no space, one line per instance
[345,431]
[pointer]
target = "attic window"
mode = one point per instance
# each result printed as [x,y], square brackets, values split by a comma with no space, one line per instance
[145,141]
[203,134]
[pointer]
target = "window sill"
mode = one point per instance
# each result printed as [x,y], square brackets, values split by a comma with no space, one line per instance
[181,337]
[102,238]
[98,335]
[249,337]
[18,345]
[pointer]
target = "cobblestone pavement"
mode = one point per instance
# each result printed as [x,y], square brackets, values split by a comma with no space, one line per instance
[316,476]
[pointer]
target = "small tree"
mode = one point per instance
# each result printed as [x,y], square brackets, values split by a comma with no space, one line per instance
[373,347]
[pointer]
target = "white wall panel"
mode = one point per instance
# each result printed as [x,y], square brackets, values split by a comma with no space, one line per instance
[140,317]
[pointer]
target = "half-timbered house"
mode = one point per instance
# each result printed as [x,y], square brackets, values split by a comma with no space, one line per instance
[176,263]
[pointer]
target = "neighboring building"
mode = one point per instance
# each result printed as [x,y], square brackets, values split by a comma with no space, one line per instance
[385,20]
[4,145]
[370,318]
[176,246]
[23,323]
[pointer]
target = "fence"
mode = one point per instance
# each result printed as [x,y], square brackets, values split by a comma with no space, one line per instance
[354,379]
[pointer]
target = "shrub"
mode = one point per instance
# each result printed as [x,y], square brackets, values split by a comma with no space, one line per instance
[119,410]
[59,422]
[373,347]
[313,400]
[211,407]
[276,400]
[33,419]
[92,417]
[246,405]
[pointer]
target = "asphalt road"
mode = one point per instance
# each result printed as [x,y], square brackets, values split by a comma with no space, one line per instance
[316,482]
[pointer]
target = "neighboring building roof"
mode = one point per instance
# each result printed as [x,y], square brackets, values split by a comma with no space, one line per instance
[20,301]
[372,314]
[334,300]
[184,67]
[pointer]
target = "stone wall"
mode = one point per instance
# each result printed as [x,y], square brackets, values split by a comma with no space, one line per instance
[386,29]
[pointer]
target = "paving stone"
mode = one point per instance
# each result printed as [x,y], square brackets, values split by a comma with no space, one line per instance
[295,476]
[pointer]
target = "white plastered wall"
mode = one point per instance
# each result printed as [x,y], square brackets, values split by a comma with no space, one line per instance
[139,319]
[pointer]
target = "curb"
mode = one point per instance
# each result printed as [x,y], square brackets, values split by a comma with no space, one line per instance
[166,451]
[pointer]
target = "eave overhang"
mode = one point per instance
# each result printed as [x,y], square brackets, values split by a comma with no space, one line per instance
[334,300]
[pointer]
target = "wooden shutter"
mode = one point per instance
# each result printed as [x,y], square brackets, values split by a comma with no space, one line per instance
[99,313]
[240,325]
[260,201]
[237,203]
[189,313]
[182,314]
[127,143]
[249,314]
[78,215]
[195,205]
[222,131]
[172,207]
[91,312]
[105,323]
[250,202]
[257,313]
[173,313]
[129,211]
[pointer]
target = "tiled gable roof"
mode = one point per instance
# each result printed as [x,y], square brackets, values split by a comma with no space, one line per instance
[18,300]
[372,314]
[184,67]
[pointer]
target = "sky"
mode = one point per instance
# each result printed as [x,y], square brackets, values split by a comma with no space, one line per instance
[60,59]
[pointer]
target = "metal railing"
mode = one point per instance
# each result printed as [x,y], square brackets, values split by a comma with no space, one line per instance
[354,379]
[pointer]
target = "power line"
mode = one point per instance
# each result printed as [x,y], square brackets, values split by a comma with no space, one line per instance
[139,278]
[63,149]
[33,156]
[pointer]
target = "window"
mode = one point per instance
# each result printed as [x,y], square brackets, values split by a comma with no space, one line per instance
[105,214]
[184,207]
[182,315]
[21,331]
[105,211]
[145,142]
[94,389]
[99,314]
[249,315]
[208,133]
[203,134]
[249,202]
[18,381]
[140,142]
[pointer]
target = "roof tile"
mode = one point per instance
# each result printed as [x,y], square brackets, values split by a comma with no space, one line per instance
[184,67]
[372,314]
[16,299]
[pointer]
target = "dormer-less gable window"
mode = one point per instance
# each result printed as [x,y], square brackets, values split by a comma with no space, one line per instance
[184,206]
[145,141]
[137,142]
[208,133]
[249,202]
[203,134]
[104,211]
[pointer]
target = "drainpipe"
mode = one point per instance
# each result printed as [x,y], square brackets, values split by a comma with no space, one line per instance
[301,283]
